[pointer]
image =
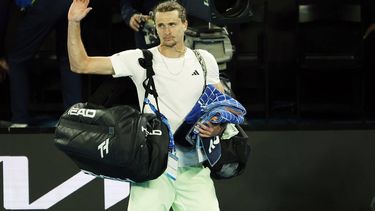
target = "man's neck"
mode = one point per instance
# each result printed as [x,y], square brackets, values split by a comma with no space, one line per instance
[172,52]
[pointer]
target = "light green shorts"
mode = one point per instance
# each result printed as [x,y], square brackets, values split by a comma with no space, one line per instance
[193,190]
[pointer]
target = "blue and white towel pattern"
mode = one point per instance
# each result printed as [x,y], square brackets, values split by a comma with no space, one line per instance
[215,107]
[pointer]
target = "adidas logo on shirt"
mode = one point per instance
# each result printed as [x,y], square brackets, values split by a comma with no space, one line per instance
[195,72]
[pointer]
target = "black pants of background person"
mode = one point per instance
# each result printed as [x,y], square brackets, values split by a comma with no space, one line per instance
[4,17]
[35,26]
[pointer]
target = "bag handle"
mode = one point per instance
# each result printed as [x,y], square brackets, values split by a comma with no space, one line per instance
[149,83]
[203,65]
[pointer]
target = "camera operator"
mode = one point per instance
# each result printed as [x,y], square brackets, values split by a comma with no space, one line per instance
[135,15]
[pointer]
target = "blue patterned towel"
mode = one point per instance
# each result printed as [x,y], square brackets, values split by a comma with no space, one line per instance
[215,107]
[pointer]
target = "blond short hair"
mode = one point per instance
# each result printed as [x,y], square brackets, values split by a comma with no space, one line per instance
[171,5]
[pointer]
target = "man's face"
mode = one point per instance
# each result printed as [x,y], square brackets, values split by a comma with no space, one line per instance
[170,28]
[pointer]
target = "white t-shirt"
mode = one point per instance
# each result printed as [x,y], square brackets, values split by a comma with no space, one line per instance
[179,82]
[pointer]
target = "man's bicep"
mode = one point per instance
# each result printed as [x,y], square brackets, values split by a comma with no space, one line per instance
[100,66]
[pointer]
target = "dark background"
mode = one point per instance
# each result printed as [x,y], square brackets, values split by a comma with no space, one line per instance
[312,155]
[264,70]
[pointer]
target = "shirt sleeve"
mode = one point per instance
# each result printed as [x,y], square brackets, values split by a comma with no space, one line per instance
[212,67]
[125,63]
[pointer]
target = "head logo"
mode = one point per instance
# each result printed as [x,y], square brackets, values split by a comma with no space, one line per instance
[82,112]
[152,133]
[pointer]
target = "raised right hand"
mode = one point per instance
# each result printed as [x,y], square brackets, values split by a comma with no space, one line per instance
[78,10]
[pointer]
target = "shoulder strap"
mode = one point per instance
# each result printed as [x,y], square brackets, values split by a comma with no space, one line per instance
[148,83]
[203,64]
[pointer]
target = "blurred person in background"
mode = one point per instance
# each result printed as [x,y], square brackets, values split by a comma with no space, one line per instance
[135,14]
[4,18]
[39,19]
